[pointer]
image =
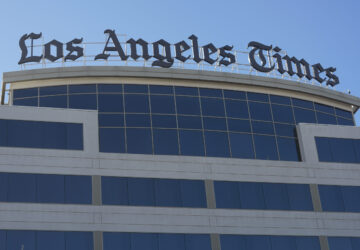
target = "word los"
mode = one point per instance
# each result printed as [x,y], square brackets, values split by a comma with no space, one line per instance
[162,55]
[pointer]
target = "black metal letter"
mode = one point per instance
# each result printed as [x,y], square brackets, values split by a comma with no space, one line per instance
[317,70]
[143,44]
[333,79]
[71,48]
[181,47]
[24,51]
[59,50]
[195,46]
[259,47]
[224,55]
[277,56]
[298,64]
[117,47]
[162,61]
[209,49]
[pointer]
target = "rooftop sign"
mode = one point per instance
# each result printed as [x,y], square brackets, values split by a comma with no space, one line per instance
[262,58]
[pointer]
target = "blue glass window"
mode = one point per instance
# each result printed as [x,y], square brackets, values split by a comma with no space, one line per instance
[306,243]
[21,93]
[212,123]
[258,242]
[260,111]
[338,149]
[285,130]
[237,109]
[167,193]
[299,197]
[134,136]
[137,120]
[186,105]
[50,188]
[302,103]
[142,241]
[53,90]
[112,140]
[283,242]
[241,145]
[340,243]
[50,240]
[111,103]
[156,89]
[251,195]
[323,149]
[3,186]
[239,125]
[166,141]
[233,242]
[211,92]
[110,88]
[323,118]
[191,142]
[324,108]
[111,120]
[2,240]
[351,198]
[304,115]
[136,103]
[344,113]
[331,198]
[193,193]
[78,189]
[86,101]
[227,194]
[171,241]
[114,190]
[234,94]
[280,99]
[163,121]
[141,192]
[19,239]
[38,134]
[26,102]
[135,88]
[79,240]
[282,113]
[162,104]
[262,127]
[186,91]
[258,97]
[343,121]
[191,122]
[212,107]
[113,241]
[54,101]
[265,147]
[197,241]
[82,88]
[276,196]
[26,192]
[288,149]
[217,144]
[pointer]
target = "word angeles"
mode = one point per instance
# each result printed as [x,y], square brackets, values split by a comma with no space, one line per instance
[262,58]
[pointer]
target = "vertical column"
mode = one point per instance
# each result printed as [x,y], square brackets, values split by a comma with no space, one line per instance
[215,242]
[324,245]
[98,240]
[96,190]
[315,196]
[210,194]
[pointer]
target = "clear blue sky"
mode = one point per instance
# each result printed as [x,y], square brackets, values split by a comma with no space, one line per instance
[325,31]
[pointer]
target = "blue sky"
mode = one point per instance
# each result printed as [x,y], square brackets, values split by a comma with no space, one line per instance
[319,31]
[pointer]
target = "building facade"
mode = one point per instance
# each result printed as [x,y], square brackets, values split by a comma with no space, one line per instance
[134,158]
